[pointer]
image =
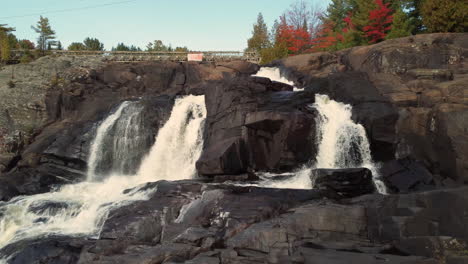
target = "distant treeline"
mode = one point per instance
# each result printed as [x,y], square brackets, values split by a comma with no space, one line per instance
[47,41]
[304,27]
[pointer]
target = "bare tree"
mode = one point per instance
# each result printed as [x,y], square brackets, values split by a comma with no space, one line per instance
[302,14]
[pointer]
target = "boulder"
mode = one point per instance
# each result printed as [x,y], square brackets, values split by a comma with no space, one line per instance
[344,183]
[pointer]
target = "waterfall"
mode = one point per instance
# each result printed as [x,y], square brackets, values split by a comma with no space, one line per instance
[96,149]
[81,209]
[179,143]
[274,74]
[120,143]
[341,144]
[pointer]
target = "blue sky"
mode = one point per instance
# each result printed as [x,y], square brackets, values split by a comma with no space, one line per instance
[197,24]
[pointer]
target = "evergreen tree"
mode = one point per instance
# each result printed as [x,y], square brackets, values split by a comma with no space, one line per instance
[259,39]
[401,26]
[413,10]
[93,44]
[76,46]
[360,19]
[445,15]
[336,13]
[123,47]
[46,34]
[59,46]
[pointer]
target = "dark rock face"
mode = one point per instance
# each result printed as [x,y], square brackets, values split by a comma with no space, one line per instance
[57,153]
[254,125]
[406,175]
[193,222]
[346,183]
[408,93]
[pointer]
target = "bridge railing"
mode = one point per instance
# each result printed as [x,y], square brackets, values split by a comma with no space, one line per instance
[152,55]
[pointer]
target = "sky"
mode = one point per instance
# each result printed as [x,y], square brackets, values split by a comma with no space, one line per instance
[198,24]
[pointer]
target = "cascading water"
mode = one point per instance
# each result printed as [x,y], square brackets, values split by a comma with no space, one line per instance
[274,74]
[81,209]
[341,144]
[120,143]
[179,144]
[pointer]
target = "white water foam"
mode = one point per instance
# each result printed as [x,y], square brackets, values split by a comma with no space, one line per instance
[342,143]
[274,74]
[179,144]
[101,132]
[81,209]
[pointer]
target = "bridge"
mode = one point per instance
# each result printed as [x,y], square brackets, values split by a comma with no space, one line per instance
[139,56]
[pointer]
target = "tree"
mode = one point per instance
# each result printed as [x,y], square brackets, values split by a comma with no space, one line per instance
[93,44]
[181,49]
[260,39]
[413,10]
[76,46]
[6,41]
[296,40]
[303,15]
[46,34]
[336,12]
[59,46]
[380,22]
[123,47]
[158,45]
[25,44]
[445,15]
[401,26]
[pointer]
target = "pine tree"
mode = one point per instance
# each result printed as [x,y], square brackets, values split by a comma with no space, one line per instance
[59,46]
[76,46]
[336,13]
[445,15]
[46,34]
[259,39]
[93,44]
[360,19]
[413,8]
[401,26]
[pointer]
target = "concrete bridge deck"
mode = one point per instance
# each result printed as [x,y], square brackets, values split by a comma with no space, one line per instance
[135,56]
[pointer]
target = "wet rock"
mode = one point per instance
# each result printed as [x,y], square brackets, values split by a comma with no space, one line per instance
[251,126]
[406,175]
[345,183]
[407,92]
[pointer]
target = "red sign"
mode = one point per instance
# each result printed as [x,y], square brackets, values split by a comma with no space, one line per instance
[195,57]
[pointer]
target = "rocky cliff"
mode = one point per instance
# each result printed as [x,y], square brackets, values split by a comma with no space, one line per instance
[410,94]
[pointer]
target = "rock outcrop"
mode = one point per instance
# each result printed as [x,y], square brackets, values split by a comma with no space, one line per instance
[255,124]
[409,93]
[192,222]
[344,183]
[73,95]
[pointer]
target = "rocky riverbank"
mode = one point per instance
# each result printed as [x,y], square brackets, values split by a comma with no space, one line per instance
[410,95]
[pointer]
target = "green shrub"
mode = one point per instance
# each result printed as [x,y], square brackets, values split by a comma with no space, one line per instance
[26,58]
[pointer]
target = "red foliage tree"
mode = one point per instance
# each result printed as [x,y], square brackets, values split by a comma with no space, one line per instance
[326,37]
[349,23]
[296,40]
[381,20]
